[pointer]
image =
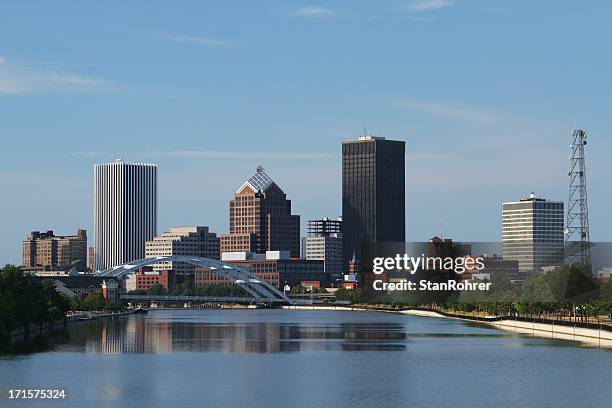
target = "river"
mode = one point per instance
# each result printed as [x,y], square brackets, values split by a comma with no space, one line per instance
[298,358]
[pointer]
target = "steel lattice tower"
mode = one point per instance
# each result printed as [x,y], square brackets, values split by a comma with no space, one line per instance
[577,240]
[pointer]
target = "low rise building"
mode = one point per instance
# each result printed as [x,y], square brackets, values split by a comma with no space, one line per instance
[82,285]
[110,290]
[275,267]
[492,265]
[207,276]
[324,242]
[604,274]
[194,241]
[146,280]
[350,281]
[128,283]
[45,251]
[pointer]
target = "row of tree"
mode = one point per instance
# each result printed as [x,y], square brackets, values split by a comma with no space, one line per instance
[25,300]
[94,301]
[188,288]
[567,289]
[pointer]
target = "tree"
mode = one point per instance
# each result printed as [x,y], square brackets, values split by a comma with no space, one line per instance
[573,283]
[157,290]
[344,294]
[605,291]
[93,301]
[26,300]
[7,314]
[115,306]
[74,303]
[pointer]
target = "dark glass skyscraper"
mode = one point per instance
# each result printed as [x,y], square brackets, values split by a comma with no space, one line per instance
[373,193]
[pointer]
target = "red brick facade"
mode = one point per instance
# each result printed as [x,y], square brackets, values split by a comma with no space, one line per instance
[144,281]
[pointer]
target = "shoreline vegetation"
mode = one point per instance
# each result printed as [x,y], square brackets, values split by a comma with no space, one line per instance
[32,308]
[567,293]
[565,303]
[28,306]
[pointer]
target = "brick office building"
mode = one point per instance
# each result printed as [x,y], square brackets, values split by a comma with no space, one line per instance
[146,280]
[45,251]
[260,219]
[275,267]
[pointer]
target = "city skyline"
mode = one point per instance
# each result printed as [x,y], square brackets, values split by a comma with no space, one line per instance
[230,93]
[304,221]
[294,204]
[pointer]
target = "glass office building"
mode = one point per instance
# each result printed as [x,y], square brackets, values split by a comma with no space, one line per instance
[373,193]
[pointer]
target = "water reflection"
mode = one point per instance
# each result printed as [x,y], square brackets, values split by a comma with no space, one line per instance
[158,334]
[228,332]
[138,334]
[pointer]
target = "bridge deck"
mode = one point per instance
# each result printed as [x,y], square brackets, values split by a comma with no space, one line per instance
[216,299]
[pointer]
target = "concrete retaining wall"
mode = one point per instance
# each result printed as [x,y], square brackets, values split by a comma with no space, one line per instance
[593,337]
[601,338]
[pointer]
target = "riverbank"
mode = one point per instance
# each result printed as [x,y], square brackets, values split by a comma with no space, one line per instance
[552,330]
[97,315]
[20,334]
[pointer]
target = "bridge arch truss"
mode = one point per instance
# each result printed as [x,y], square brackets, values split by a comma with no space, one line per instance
[259,288]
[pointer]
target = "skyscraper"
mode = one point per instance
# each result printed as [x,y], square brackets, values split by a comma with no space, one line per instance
[373,193]
[532,233]
[125,211]
[261,220]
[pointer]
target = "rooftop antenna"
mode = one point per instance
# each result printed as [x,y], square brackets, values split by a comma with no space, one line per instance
[365,131]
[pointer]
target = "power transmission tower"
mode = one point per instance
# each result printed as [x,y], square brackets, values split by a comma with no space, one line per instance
[577,240]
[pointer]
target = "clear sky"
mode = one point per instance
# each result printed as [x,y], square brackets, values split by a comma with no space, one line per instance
[485,94]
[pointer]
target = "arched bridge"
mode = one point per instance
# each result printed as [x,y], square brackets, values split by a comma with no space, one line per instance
[260,289]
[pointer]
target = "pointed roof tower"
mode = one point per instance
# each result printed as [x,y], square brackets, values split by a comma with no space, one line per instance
[258,182]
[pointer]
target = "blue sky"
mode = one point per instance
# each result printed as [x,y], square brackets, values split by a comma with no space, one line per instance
[484,93]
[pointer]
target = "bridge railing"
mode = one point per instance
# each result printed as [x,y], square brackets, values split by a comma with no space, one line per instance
[217,299]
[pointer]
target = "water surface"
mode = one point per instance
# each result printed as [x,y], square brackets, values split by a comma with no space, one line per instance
[289,358]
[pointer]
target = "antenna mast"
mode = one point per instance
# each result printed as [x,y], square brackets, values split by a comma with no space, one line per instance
[577,239]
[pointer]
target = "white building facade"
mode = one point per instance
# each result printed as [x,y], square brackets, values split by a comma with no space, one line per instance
[187,241]
[533,233]
[326,249]
[125,211]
